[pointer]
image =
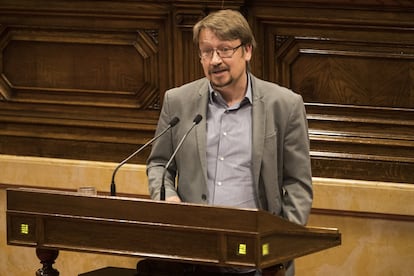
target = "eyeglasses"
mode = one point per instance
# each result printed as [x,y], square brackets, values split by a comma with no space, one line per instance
[223,52]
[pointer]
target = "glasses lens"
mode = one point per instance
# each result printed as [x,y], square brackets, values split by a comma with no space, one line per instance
[222,53]
[225,53]
[206,54]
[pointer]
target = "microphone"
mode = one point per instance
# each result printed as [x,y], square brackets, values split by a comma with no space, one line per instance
[172,123]
[196,120]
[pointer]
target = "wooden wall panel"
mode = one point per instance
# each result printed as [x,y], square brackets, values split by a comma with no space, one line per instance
[81,79]
[353,66]
[85,79]
[105,70]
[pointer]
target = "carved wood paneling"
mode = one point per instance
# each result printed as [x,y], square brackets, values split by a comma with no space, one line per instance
[86,79]
[81,79]
[353,67]
[100,69]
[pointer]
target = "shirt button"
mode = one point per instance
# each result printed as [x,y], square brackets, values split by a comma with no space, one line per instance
[225,133]
[219,183]
[221,158]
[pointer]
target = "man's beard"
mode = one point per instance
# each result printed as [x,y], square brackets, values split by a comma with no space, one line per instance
[220,85]
[217,84]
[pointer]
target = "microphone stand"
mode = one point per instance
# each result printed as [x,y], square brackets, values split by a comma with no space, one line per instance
[172,123]
[196,120]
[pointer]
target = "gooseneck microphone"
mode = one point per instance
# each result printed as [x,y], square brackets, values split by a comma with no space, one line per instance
[172,123]
[196,120]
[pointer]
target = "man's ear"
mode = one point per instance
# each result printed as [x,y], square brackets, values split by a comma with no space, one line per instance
[248,51]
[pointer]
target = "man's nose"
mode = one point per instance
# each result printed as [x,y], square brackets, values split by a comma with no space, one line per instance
[216,59]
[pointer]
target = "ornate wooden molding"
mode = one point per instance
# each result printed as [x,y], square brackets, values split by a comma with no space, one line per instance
[86,79]
[79,68]
[353,72]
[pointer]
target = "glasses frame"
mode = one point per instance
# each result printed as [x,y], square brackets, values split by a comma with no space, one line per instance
[217,50]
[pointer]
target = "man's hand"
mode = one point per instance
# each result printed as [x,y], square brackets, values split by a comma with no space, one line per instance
[173,199]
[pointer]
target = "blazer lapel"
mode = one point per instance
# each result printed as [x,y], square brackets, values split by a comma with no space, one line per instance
[201,130]
[258,125]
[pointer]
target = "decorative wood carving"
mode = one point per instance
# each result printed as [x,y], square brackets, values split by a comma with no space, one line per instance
[81,80]
[86,79]
[80,69]
[353,72]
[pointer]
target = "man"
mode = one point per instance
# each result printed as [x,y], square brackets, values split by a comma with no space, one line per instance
[251,149]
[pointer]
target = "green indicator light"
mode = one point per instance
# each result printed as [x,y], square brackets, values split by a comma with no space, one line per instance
[24,228]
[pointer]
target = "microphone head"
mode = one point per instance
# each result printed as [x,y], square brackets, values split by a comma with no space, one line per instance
[197,119]
[174,121]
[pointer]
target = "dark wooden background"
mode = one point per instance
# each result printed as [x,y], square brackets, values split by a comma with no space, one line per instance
[85,79]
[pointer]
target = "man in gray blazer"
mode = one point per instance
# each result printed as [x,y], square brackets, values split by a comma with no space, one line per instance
[251,149]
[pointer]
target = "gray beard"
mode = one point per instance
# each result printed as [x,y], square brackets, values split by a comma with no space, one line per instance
[219,85]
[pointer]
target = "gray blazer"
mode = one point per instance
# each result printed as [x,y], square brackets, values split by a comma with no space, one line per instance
[281,161]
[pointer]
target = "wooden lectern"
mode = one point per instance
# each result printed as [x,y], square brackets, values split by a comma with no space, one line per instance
[54,220]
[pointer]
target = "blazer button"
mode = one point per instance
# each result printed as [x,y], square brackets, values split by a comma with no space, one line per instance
[204,197]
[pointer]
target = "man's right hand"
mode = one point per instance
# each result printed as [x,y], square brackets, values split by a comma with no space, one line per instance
[173,199]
